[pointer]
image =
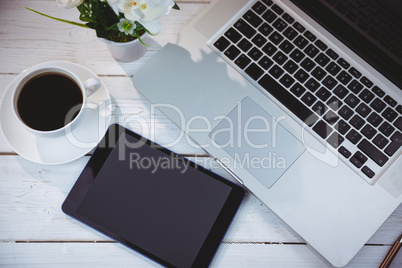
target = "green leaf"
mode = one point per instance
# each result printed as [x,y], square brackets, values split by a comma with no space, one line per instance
[176,7]
[65,21]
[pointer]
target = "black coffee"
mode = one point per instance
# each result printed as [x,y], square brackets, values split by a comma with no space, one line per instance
[47,99]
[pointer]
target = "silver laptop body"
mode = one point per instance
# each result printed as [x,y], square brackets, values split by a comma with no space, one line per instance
[297,165]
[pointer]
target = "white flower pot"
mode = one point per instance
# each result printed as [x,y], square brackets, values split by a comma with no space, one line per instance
[126,51]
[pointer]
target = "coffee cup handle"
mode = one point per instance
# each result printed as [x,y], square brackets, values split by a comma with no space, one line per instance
[91,86]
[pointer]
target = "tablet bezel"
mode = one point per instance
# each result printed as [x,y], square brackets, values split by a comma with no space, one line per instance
[100,155]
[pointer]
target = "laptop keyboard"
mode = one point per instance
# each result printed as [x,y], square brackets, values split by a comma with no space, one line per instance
[372,18]
[332,97]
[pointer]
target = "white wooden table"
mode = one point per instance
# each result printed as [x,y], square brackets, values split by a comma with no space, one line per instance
[34,232]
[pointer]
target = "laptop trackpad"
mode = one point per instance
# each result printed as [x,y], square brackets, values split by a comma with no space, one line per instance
[257,142]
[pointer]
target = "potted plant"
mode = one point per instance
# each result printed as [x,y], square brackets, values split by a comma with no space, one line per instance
[121,24]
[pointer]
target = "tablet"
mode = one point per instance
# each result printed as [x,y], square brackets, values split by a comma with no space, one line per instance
[153,200]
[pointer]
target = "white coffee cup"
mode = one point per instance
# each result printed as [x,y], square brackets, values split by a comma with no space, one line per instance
[43,95]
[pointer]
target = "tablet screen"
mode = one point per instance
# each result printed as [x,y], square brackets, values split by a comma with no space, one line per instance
[154,201]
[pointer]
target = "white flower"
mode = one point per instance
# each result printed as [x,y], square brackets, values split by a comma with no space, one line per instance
[146,12]
[126,26]
[69,3]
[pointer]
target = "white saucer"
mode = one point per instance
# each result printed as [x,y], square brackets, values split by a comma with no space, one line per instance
[63,148]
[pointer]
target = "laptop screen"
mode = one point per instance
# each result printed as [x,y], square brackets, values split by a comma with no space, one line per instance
[371,28]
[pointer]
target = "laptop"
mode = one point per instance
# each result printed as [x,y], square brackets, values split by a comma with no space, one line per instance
[301,102]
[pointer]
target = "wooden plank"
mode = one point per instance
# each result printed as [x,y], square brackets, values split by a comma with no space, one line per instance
[31,196]
[26,33]
[115,255]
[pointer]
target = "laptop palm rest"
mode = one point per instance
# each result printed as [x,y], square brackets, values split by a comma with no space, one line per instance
[257,142]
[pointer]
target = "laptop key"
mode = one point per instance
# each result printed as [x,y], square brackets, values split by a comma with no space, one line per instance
[312,84]
[332,54]
[222,43]
[265,29]
[300,42]
[333,68]
[232,52]
[269,16]
[340,91]
[242,61]
[288,18]
[244,45]
[323,94]
[378,105]
[322,60]
[329,82]
[378,91]
[342,62]
[396,142]
[386,129]
[346,112]
[288,100]
[363,110]
[318,73]
[310,36]
[311,50]
[320,108]
[299,27]
[366,82]
[345,152]
[366,96]
[259,40]
[335,140]
[307,64]
[277,9]
[344,77]
[390,101]
[352,100]
[290,33]
[369,173]
[322,129]
[297,89]
[353,136]
[331,117]
[301,76]
[276,38]
[357,122]
[358,159]
[375,119]
[290,66]
[286,46]
[254,71]
[368,131]
[276,71]
[269,49]
[265,62]
[280,58]
[342,127]
[297,55]
[308,99]
[380,141]
[259,7]
[321,45]
[389,114]
[255,53]
[286,80]
[245,28]
[233,35]
[355,72]
[355,86]
[280,24]
[252,18]
[372,152]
